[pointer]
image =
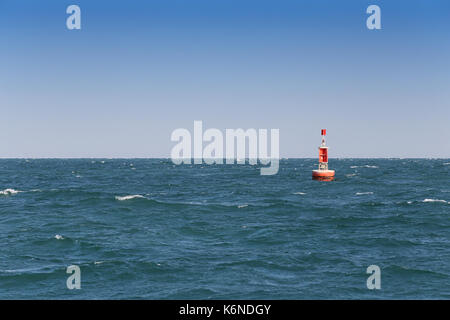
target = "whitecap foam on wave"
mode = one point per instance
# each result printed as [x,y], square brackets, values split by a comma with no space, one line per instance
[242,205]
[9,191]
[59,237]
[301,193]
[129,197]
[362,193]
[364,166]
[435,200]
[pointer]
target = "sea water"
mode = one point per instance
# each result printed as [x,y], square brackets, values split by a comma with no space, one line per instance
[149,229]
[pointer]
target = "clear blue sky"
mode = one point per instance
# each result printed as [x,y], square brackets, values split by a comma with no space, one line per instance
[137,70]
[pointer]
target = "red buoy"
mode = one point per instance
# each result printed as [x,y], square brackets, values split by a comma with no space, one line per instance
[323,173]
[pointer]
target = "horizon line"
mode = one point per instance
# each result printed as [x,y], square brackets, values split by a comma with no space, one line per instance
[168,158]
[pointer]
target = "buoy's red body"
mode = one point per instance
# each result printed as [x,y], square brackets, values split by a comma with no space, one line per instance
[323,173]
[323,155]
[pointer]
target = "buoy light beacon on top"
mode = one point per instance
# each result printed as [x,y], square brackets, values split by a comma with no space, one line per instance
[323,173]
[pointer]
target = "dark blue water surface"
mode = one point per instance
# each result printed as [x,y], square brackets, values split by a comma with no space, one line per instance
[149,229]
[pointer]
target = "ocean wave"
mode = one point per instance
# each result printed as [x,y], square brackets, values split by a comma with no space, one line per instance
[435,200]
[362,193]
[165,202]
[29,272]
[129,197]
[364,166]
[9,191]
[407,269]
